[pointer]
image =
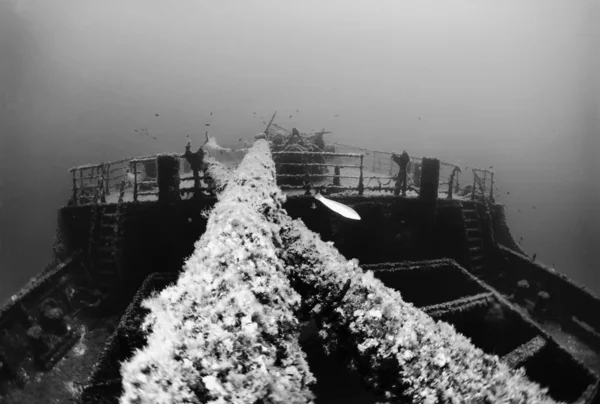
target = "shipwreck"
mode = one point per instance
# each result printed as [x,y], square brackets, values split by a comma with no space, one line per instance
[192,278]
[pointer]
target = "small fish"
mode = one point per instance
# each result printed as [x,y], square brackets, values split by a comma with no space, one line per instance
[313,206]
[211,113]
[337,207]
[290,116]
[207,124]
[419,118]
[153,137]
[491,167]
[240,140]
[519,210]
[507,193]
[136,130]
[297,111]
[155,114]
[533,207]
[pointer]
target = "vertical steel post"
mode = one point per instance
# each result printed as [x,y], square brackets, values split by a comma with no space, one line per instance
[484,181]
[361,187]
[107,179]
[473,190]
[135,190]
[74,187]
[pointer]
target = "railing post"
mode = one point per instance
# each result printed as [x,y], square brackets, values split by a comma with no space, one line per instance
[453,178]
[102,183]
[492,187]
[135,190]
[74,187]
[361,186]
[456,183]
[107,179]
[484,182]
[336,176]
[473,190]
[122,190]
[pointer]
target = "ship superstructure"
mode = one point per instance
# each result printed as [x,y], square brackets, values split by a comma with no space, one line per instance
[428,230]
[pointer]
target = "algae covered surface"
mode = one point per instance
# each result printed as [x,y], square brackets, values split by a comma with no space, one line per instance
[62,384]
[228,330]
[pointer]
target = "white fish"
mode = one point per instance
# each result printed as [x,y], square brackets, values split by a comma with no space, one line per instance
[337,207]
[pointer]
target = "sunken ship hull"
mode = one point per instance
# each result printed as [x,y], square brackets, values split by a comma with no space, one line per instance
[447,252]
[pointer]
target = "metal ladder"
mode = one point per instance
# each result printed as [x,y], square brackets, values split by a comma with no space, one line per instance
[473,237]
[104,249]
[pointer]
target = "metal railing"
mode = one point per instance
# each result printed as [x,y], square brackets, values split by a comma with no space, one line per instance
[135,179]
[326,156]
[137,174]
[375,161]
[483,185]
[144,184]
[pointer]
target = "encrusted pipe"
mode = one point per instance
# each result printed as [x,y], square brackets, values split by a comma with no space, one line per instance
[225,332]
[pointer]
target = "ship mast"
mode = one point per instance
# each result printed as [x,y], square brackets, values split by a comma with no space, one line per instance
[269,125]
